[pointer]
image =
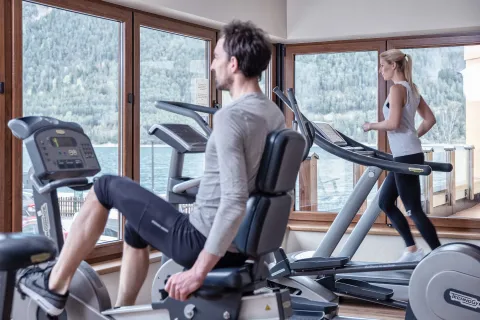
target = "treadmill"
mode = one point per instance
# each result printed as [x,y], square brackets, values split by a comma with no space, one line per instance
[350,277]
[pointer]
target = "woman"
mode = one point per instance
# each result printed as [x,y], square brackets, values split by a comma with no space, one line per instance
[399,111]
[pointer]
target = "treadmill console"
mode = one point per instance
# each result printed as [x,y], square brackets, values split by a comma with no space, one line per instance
[62,153]
[330,134]
[181,137]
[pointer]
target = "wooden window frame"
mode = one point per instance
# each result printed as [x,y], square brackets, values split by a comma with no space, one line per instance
[174,26]
[318,221]
[5,112]
[330,47]
[129,116]
[103,251]
[273,73]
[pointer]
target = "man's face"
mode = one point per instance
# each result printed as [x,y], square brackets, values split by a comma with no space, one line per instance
[222,66]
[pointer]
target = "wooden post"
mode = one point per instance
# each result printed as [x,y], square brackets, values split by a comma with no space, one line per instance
[308,184]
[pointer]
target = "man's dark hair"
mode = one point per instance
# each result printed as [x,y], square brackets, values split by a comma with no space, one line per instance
[249,44]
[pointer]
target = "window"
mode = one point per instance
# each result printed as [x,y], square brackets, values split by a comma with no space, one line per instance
[339,87]
[73,67]
[447,72]
[174,65]
[446,76]
[75,63]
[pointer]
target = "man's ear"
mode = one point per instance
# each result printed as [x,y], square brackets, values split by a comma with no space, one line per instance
[233,64]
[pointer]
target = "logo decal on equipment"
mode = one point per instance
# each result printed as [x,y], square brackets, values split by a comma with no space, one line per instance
[462,299]
[43,213]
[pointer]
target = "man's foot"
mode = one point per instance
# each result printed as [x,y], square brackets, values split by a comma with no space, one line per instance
[33,282]
[408,256]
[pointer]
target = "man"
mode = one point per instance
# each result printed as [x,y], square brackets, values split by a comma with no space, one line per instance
[199,241]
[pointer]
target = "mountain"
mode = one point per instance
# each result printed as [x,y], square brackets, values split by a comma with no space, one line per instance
[71,71]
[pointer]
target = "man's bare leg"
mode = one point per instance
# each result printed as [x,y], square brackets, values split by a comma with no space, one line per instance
[81,240]
[133,272]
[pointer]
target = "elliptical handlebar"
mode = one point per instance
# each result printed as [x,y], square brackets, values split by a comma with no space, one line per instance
[74,183]
[188,110]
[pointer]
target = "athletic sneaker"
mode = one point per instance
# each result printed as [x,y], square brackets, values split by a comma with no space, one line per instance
[33,282]
[408,256]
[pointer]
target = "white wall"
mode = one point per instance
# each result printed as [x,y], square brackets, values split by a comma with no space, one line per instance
[321,20]
[270,15]
[314,20]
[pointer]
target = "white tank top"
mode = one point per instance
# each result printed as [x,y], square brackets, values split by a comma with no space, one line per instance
[404,140]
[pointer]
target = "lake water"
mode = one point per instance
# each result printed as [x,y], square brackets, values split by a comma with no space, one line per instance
[335,176]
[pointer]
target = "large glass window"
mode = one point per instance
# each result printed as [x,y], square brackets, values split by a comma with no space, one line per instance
[448,79]
[173,67]
[342,90]
[72,71]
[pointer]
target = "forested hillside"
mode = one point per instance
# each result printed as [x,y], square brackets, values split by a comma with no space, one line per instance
[342,88]
[71,70]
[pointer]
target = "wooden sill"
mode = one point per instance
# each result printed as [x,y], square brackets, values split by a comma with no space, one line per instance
[384,230]
[114,265]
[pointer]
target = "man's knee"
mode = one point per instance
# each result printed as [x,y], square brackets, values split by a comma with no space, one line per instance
[133,239]
[102,187]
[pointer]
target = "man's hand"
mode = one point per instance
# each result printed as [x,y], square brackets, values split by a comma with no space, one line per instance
[181,285]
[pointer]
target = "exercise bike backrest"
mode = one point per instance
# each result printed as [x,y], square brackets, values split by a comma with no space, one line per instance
[268,209]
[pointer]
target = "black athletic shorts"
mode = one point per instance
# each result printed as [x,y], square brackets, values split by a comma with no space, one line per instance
[153,221]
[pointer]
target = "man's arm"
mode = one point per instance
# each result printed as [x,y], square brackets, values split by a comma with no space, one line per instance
[234,195]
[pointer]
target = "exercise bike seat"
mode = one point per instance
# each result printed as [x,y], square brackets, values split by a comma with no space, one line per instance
[20,250]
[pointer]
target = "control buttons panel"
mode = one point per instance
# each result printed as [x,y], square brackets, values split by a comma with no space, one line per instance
[87,150]
[69,164]
[63,153]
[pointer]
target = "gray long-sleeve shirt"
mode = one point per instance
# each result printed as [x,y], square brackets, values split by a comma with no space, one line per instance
[232,158]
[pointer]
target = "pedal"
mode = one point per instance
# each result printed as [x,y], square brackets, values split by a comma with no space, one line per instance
[318,263]
[304,304]
[363,289]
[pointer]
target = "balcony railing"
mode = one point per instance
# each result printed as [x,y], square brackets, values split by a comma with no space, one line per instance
[443,194]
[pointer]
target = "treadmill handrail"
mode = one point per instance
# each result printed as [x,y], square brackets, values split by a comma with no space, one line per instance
[389,165]
[382,157]
[184,186]
[188,110]
[435,166]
